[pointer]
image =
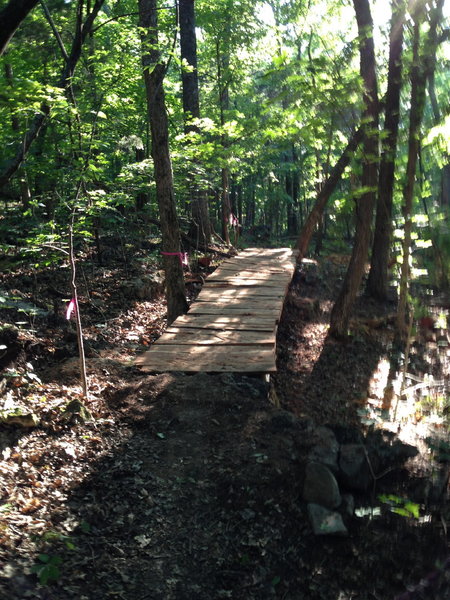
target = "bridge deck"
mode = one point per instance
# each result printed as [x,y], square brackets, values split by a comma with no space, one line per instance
[232,325]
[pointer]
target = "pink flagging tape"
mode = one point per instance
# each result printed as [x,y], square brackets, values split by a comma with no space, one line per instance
[181,255]
[71,308]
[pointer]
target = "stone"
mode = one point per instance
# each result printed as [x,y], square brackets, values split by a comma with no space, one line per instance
[325,522]
[144,288]
[389,450]
[346,434]
[347,507]
[354,470]
[320,486]
[20,419]
[326,449]
[283,419]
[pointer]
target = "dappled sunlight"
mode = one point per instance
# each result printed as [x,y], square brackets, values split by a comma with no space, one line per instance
[232,324]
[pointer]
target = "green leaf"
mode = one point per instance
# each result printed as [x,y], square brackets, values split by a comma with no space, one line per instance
[85,527]
[44,558]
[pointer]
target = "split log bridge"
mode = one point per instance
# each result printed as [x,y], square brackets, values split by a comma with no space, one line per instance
[232,325]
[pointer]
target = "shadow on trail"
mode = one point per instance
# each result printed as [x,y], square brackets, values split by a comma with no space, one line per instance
[326,379]
[201,499]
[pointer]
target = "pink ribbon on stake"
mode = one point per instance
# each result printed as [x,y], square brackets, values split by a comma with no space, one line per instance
[71,308]
[233,220]
[181,255]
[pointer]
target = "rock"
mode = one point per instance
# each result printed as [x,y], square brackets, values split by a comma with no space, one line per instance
[346,434]
[347,507]
[401,452]
[326,449]
[25,420]
[144,288]
[325,522]
[10,345]
[388,450]
[320,486]
[283,420]
[354,470]
[76,413]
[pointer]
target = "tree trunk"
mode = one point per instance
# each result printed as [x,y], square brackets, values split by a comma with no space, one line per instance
[11,17]
[223,61]
[329,186]
[142,198]
[377,284]
[422,66]
[226,206]
[154,73]
[201,224]
[340,314]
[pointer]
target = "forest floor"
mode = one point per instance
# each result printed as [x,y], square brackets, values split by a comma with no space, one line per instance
[189,487]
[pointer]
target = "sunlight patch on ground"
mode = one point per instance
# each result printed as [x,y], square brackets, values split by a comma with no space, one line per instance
[415,408]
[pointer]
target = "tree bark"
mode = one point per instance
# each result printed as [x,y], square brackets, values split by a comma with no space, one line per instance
[223,61]
[377,283]
[340,314]
[11,17]
[82,31]
[422,67]
[329,186]
[201,225]
[154,72]
[226,206]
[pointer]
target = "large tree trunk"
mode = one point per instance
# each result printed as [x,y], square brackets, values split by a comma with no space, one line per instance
[340,314]
[325,193]
[201,224]
[81,33]
[11,17]
[377,283]
[422,66]
[291,189]
[154,73]
[223,63]
[226,205]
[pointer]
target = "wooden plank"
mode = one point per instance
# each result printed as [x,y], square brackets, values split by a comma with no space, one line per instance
[243,301]
[204,308]
[194,358]
[262,275]
[226,322]
[246,304]
[255,263]
[272,265]
[208,294]
[246,283]
[273,254]
[180,335]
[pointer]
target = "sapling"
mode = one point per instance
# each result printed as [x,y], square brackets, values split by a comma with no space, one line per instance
[73,307]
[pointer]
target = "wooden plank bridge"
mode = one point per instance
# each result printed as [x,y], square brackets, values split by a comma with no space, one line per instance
[232,325]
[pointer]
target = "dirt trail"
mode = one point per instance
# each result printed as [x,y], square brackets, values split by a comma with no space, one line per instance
[190,486]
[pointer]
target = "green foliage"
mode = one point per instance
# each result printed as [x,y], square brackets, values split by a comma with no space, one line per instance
[441,448]
[292,74]
[47,568]
[400,506]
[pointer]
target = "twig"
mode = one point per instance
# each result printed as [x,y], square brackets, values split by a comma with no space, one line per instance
[52,247]
[73,286]
[405,362]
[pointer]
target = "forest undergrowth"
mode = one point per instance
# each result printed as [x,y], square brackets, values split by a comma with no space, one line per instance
[175,486]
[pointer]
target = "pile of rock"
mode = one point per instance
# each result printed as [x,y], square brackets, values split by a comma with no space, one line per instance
[340,463]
